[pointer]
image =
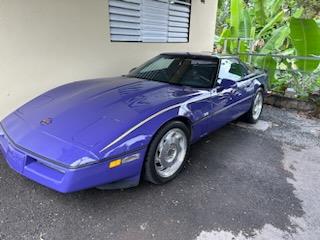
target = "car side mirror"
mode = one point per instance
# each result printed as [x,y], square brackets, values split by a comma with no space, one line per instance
[226,83]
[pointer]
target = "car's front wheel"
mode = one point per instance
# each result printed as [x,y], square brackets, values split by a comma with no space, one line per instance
[167,153]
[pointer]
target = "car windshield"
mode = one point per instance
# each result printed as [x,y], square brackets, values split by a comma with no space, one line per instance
[180,70]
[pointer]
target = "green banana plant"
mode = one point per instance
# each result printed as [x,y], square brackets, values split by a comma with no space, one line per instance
[245,24]
[273,45]
[274,7]
[277,18]
[260,15]
[277,39]
[235,17]
[280,31]
[305,37]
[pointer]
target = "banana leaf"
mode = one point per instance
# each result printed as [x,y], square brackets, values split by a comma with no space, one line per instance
[275,7]
[298,13]
[274,43]
[305,36]
[235,9]
[276,40]
[235,19]
[278,18]
[259,6]
[289,51]
[269,64]
[245,24]
[226,33]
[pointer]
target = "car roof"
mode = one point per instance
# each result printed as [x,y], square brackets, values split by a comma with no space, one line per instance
[201,54]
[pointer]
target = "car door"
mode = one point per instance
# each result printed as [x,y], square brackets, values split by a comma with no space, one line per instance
[227,85]
[201,74]
[242,95]
[220,100]
[240,92]
[222,96]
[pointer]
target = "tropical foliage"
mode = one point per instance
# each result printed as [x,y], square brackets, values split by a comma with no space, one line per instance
[274,27]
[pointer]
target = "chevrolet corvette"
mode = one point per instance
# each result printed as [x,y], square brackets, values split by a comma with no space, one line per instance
[112,132]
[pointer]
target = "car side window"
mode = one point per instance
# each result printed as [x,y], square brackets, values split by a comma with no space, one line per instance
[245,69]
[197,72]
[232,69]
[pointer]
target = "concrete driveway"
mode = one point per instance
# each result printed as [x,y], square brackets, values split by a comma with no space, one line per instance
[241,182]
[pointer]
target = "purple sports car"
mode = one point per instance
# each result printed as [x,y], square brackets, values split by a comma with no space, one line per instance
[110,133]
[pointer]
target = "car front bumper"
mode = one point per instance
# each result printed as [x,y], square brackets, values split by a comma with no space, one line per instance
[63,179]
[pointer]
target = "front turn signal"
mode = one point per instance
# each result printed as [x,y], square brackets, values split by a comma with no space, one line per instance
[115,163]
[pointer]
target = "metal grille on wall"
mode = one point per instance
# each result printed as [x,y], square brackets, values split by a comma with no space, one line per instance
[149,20]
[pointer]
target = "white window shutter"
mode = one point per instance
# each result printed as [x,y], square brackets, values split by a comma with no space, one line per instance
[149,20]
[154,22]
[125,20]
[179,15]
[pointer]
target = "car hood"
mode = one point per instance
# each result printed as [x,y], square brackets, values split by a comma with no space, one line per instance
[88,114]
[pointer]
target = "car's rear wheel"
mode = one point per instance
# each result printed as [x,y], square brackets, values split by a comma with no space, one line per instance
[253,115]
[167,153]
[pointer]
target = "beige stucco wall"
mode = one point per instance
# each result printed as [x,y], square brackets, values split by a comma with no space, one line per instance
[46,43]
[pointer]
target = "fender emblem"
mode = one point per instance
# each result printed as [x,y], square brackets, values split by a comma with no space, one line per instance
[46,121]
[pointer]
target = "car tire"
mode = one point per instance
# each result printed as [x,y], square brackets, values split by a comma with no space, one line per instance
[254,113]
[167,153]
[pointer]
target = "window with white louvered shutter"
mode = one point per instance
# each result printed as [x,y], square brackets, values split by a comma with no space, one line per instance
[149,20]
